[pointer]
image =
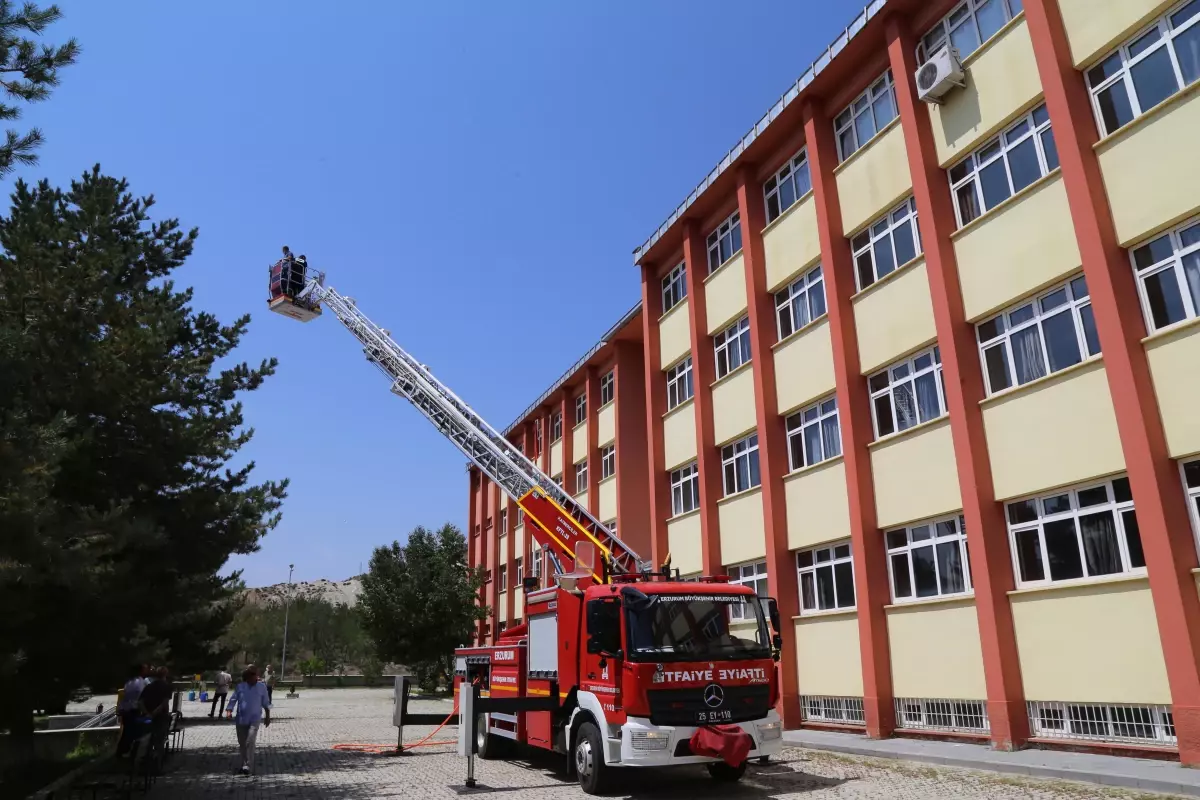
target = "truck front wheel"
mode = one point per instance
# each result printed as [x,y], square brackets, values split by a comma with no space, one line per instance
[723,773]
[588,759]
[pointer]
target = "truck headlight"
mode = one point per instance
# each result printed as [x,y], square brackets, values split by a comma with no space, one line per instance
[770,730]
[649,740]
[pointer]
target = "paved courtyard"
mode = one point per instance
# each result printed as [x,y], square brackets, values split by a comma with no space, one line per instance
[296,759]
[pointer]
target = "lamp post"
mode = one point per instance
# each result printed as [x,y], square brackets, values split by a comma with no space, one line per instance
[286,611]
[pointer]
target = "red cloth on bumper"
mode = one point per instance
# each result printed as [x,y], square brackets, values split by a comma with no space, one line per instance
[729,743]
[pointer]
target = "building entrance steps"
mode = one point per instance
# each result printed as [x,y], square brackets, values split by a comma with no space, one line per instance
[1132,773]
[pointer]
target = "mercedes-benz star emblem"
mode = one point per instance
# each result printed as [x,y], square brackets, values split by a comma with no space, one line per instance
[714,695]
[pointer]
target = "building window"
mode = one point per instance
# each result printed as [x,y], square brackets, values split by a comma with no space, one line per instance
[1168,273]
[503,578]
[503,521]
[1039,337]
[969,25]
[612,526]
[581,476]
[558,479]
[739,465]
[929,560]
[685,489]
[908,393]
[826,578]
[866,116]
[580,408]
[1078,533]
[674,287]
[1191,479]
[608,388]
[556,427]
[520,518]
[1147,69]
[787,186]
[814,434]
[608,461]
[724,241]
[679,383]
[800,303]
[732,347]
[890,242]
[752,575]
[537,435]
[1004,166]
[518,572]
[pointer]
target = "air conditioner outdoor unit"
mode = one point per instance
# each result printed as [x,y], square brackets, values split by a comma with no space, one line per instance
[941,73]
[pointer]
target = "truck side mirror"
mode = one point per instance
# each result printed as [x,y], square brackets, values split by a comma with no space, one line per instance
[771,606]
[604,627]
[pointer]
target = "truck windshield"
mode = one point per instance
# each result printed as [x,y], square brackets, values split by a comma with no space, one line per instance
[690,627]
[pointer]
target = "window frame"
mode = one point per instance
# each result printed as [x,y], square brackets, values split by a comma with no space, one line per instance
[906,550]
[925,48]
[801,293]
[684,481]
[870,94]
[608,461]
[1124,74]
[674,287]
[1179,251]
[680,374]
[814,566]
[608,388]
[1074,513]
[744,578]
[729,228]
[556,427]
[1193,495]
[796,431]
[502,578]
[892,223]
[518,571]
[503,522]
[1073,305]
[581,475]
[734,339]
[914,373]
[773,187]
[979,159]
[581,409]
[746,447]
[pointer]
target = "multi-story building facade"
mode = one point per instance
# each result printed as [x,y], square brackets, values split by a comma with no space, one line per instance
[926,373]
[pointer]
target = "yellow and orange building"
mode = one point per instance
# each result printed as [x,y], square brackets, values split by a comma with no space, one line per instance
[928,374]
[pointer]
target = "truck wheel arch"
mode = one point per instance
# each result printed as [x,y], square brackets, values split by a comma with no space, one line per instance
[587,709]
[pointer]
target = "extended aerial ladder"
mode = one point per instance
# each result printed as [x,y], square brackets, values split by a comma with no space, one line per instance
[560,523]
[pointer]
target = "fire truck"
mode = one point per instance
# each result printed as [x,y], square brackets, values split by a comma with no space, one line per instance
[618,663]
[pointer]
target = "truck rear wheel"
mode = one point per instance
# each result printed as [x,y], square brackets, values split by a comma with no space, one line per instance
[587,757]
[489,745]
[723,773]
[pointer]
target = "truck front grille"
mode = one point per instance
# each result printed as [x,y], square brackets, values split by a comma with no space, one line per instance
[688,706]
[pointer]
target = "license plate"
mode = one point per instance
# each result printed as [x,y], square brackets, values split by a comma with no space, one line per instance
[713,716]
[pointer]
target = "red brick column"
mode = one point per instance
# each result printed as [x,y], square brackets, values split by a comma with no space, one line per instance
[854,413]
[708,464]
[659,482]
[566,407]
[593,441]
[1153,476]
[987,534]
[772,438]
[633,474]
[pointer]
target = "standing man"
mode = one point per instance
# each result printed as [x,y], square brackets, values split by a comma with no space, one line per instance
[253,705]
[269,677]
[155,704]
[127,709]
[220,692]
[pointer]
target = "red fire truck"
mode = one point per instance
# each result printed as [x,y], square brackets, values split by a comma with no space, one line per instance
[619,663]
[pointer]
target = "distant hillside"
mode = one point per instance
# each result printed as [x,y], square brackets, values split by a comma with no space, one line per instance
[335,592]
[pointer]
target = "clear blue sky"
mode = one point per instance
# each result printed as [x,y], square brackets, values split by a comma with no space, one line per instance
[476,174]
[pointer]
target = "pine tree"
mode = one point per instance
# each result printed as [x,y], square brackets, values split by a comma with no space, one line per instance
[118,419]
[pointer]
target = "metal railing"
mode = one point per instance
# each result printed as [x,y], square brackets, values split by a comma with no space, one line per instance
[1147,725]
[937,714]
[826,708]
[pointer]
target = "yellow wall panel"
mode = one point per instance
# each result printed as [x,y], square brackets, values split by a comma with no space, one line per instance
[733,405]
[556,464]
[683,540]
[742,531]
[1023,247]
[1061,431]
[1065,640]
[606,425]
[818,509]
[1096,26]
[582,499]
[1150,173]
[791,243]
[828,659]
[674,335]
[679,435]
[936,651]
[1002,80]
[894,317]
[608,499]
[518,603]
[1175,367]
[804,367]
[579,441]
[874,179]
[725,294]
[916,475]
[519,541]
[503,558]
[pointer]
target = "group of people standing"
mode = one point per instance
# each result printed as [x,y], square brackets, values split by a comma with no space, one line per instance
[145,706]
